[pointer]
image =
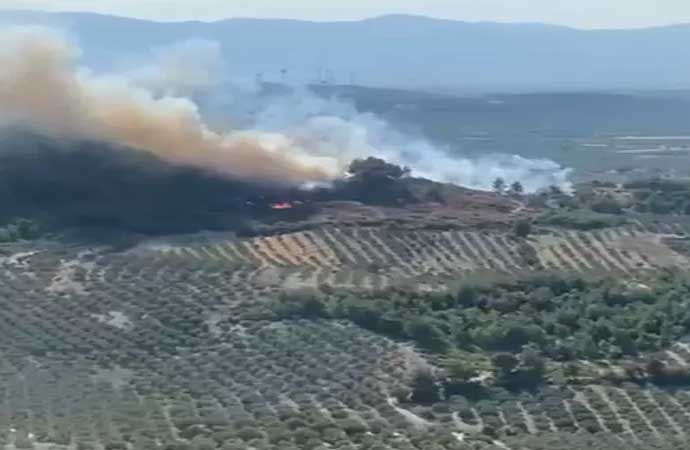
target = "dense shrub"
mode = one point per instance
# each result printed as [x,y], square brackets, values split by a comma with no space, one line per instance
[425,389]
[522,228]
[580,219]
[606,205]
[558,317]
[661,196]
[19,229]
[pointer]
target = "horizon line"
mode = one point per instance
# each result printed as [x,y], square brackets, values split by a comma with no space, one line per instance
[363,19]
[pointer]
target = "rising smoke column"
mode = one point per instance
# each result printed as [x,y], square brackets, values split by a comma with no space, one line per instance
[42,87]
[184,68]
[329,128]
[296,138]
[334,128]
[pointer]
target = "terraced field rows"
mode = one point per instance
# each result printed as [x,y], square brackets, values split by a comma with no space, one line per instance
[327,376]
[614,250]
[678,355]
[352,258]
[632,415]
[378,257]
[197,366]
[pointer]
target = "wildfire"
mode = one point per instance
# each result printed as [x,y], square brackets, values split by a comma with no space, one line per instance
[281,206]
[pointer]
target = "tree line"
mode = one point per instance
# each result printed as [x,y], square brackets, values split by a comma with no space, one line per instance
[512,327]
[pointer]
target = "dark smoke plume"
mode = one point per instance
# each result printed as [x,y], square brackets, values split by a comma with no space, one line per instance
[43,88]
[82,183]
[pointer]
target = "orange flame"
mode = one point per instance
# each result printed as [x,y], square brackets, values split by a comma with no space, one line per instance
[281,206]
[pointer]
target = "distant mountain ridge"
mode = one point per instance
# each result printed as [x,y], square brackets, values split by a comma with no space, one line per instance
[405,51]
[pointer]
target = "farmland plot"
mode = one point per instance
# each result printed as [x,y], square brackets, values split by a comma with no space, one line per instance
[375,258]
[160,347]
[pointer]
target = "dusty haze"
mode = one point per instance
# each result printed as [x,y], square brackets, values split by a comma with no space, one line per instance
[42,87]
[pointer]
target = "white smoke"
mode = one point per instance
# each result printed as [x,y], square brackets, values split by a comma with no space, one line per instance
[43,87]
[334,128]
[182,69]
[295,137]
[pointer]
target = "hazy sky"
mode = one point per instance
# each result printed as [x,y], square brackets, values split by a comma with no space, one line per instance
[577,13]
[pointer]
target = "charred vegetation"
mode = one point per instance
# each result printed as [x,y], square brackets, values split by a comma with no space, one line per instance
[67,183]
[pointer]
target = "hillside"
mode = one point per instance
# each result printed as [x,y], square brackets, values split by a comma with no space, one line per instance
[164,286]
[389,51]
[474,321]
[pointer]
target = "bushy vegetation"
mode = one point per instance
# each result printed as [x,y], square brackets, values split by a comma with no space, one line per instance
[600,205]
[95,184]
[204,347]
[580,219]
[522,228]
[19,229]
[181,353]
[563,318]
[655,196]
[374,181]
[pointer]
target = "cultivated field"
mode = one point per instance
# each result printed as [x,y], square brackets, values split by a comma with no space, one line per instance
[159,345]
[376,258]
[107,352]
[119,351]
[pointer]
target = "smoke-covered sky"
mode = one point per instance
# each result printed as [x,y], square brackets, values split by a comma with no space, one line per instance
[43,87]
[580,13]
[294,138]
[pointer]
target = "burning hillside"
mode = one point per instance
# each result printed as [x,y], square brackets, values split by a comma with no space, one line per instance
[81,148]
[42,88]
[78,183]
[294,139]
[89,183]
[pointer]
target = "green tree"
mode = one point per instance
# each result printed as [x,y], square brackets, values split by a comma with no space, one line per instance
[459,367]
[505,363]
[499,185]
[528,254]
[571,370]
[352,426]
[657,204]
[655,368]
[522,228]
[427,333]
[607,205]
[532,362]
[424,388]
[517,188]
[377,168]
[26,229]
[364,314]
[6,235]
[234,444]
[541,298]
[203,443]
